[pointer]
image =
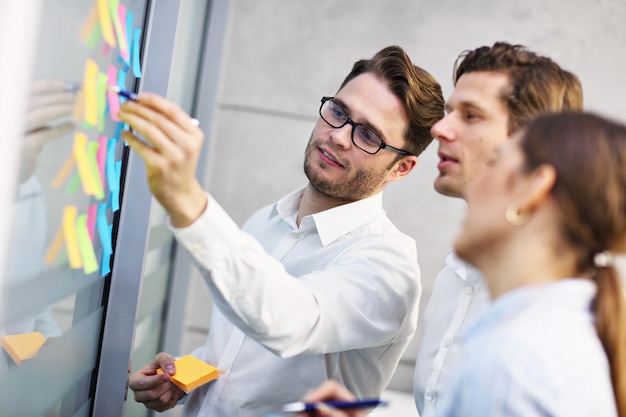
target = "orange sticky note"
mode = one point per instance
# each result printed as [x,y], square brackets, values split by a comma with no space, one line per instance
[23,346]
[55,247]
[64,172]
[192,372]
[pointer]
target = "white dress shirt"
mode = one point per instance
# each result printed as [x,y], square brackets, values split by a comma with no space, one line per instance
[336,298]
[534,353]
[458,298]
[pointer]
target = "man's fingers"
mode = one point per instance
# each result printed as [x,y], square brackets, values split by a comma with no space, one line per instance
[171,109]
[149,125]
[329,390]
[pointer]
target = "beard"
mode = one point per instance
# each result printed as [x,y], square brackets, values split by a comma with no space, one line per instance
[354,185]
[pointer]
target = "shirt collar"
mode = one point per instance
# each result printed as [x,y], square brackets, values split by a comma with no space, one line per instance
[333,223]
[462,269]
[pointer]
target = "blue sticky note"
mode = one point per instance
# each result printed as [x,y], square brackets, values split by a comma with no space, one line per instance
[135,58]
[102,224]
[112,180]
[129,35]
[105,267]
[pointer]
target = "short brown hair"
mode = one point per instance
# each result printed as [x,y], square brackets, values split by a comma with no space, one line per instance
[415,87]
[537,83]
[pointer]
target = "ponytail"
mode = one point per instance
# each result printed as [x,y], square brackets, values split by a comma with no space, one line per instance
[609,307]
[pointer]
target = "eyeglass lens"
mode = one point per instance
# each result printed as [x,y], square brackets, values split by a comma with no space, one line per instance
[362,136]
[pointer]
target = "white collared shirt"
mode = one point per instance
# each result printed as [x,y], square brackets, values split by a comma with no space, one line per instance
[336,298]
[534,353]
[458,298]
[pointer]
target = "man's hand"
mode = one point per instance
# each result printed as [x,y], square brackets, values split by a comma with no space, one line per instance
[50,107]
[331,391]
[154,390]
[171,154]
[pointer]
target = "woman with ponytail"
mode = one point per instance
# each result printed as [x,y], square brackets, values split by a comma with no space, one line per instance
[545,223]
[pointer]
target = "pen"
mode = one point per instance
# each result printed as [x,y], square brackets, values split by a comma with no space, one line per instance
[134,97]
[302,406]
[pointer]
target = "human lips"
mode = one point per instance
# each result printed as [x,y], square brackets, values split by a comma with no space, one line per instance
[329,158]
[445,161]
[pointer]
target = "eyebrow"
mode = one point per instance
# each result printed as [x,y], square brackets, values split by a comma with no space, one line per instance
[367,123]
[465,104]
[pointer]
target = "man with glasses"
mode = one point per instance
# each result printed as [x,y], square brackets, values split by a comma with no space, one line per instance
[497,90]
[318,285]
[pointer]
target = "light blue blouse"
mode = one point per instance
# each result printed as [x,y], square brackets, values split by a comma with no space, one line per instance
[535,352]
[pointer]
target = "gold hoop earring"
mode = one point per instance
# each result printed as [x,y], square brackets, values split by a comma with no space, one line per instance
[515,217]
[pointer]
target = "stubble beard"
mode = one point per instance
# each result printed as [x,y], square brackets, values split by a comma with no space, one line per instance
[355,186]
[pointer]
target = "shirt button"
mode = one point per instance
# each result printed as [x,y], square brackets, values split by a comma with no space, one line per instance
[447,343]
[222,370]
[430,396]
[469,290]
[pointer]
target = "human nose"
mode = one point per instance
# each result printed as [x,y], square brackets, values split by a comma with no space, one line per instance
[444,129]
[342,136]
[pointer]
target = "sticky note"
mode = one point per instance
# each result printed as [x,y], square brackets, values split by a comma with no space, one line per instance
[119,23]
[102,99]
[113,98]
[192,372]
[23,346]
[89,175]
[55,247]
[121,14]
[90,30]
[92,156]
[136,44]
[106,23]
[90,263]
[71,237]
[90,87]
[64,172]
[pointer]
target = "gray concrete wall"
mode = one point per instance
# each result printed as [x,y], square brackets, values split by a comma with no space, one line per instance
[283,55]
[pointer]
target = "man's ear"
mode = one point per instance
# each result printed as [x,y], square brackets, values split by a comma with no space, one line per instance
[402,168]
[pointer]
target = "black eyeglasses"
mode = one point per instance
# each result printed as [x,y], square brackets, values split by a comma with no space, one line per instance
[363,137]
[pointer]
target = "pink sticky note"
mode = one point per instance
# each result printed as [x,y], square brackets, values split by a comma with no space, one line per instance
[92,213]
[121,12]
[114,99]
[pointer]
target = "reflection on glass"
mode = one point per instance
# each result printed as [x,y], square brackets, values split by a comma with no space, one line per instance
[48,118]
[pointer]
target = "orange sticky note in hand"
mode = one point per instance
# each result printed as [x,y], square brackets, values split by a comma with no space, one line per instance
[192,372]
[23,346]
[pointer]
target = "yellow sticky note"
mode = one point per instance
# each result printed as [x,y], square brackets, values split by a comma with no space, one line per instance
[192,372]
[118,25]
[23,346]
[90,87]
[106,23]
[92,151]
[71,238]
[85,171]
[90,263]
